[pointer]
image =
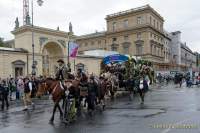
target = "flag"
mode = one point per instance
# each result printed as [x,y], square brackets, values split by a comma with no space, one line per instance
[73,49]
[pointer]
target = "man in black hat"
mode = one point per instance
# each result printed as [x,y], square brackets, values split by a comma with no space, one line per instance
[62,71]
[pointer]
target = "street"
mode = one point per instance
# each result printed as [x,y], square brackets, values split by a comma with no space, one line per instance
[167,109]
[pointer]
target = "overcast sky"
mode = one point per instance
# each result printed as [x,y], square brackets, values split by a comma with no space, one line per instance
[88,15]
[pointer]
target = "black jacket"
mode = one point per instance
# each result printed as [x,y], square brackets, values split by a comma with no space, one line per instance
[4,90]
[92,88]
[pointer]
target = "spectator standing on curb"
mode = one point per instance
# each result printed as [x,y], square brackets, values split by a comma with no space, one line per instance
[4,94]
[20,87]
[12,87]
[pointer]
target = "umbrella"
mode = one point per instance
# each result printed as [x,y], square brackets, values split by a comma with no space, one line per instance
[116,58]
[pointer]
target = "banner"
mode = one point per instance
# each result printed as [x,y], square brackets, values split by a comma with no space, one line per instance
[73,49]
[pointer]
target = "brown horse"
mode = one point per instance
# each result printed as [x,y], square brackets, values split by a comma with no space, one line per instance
[54,88]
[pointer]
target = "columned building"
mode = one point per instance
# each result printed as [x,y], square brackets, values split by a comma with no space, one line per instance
[50,45]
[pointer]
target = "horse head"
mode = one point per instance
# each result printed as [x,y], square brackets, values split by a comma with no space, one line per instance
[42,88]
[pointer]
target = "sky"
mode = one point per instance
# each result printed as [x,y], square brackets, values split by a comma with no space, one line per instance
[88,16]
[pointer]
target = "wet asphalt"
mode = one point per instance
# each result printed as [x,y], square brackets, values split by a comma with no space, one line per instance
[167,109]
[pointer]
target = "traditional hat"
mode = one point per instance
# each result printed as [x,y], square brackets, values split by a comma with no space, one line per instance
[60,60]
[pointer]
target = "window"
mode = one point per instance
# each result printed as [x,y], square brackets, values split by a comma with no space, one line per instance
[139,49]
[155,50]
[151,35]
[125,23]
[86,44]
[157,26]
[114,48]
[154,22]
[114,26]
[126,38]
[139,20]
[99,42]
[151,48]
[160,26]
[92,43]
[126,50]
[154,36]
[114,40]
[150,20]
[139,36]
[158,51]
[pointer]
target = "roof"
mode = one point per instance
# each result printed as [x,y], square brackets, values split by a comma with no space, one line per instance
[176,32]
[25,28]
[132,11]
[89,56]
[167,34]
[99,53]
[92,35]
[8,41]
[186,47]
[13,49]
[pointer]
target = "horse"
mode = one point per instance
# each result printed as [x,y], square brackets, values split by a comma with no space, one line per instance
[54,88]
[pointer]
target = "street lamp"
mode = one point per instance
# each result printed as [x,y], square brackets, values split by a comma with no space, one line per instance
[40,2]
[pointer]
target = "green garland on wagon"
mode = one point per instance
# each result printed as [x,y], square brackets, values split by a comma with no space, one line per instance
[138,68]
[134,68]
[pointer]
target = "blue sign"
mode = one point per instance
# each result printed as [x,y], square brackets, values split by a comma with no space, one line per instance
[115,58]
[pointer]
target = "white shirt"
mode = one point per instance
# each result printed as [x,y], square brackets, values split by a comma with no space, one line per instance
[30,86]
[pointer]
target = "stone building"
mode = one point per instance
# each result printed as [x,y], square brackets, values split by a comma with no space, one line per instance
[182,56]
[188,58]
[197,60]
[50,45]
[138,31]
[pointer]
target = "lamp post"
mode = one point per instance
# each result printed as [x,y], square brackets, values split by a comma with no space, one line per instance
[40,2]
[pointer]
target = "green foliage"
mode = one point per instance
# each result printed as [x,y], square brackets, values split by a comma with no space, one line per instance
[1,42]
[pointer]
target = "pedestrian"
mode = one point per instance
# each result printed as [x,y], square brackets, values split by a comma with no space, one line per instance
[20,87]
[143,87]
[12,87]
[27,93]
[92,93]
[4,90]
[34,86]
[180,77]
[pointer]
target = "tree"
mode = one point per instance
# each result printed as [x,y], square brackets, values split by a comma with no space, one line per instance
[1,42]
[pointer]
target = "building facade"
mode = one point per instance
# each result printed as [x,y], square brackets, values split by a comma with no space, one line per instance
[188,58]
[50,45]
[182,56]
[138,32]
[197,60]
